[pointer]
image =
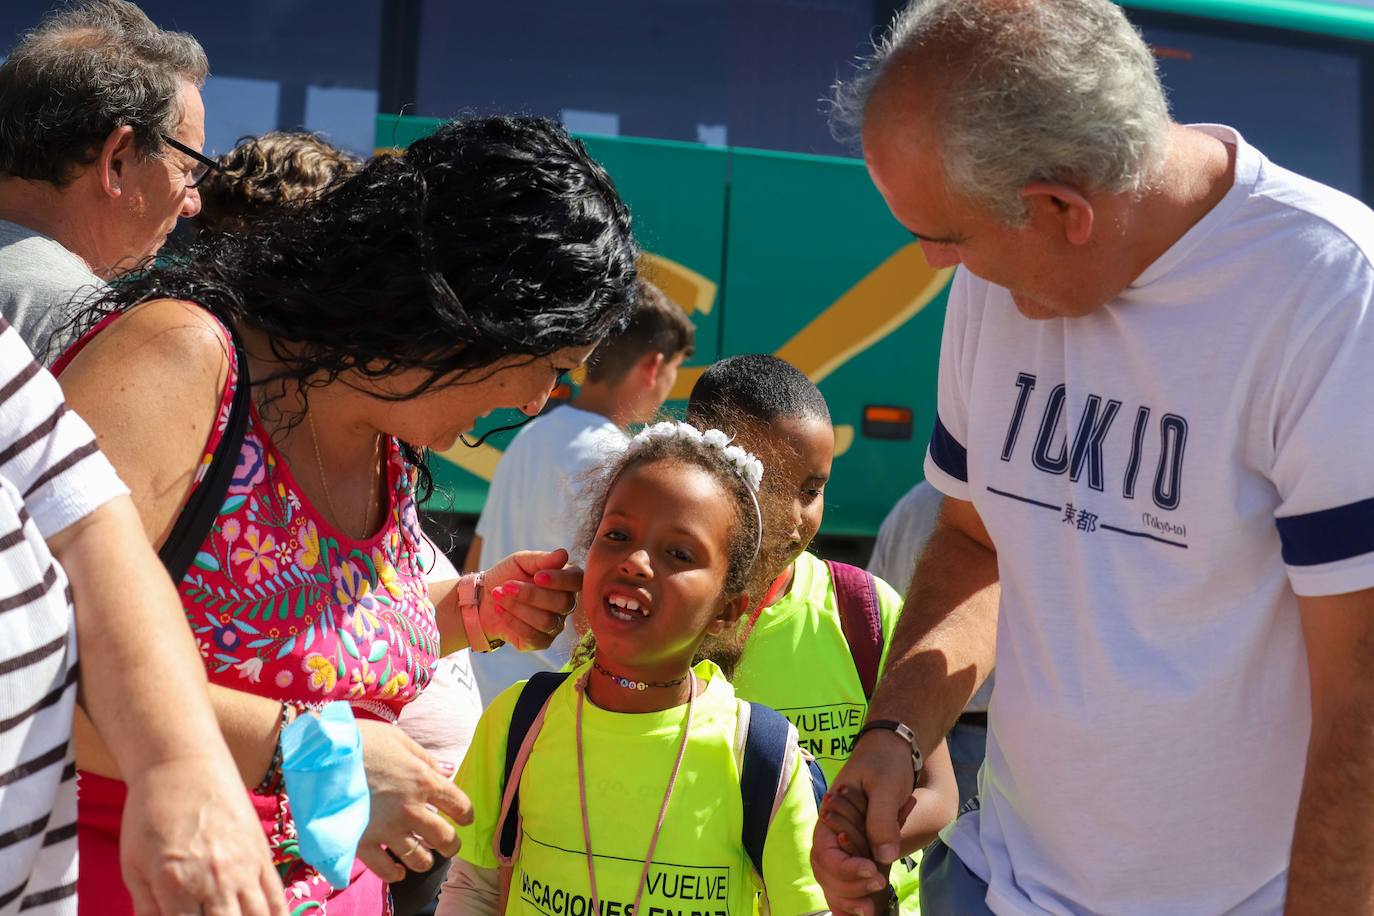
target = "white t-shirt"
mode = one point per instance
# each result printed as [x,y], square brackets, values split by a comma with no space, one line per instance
[51,476]
[1161,479]
[532,505]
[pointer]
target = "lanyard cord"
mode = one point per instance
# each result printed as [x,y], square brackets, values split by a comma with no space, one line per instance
[662,812]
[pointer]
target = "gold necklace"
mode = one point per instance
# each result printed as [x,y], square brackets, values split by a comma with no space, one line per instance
[329,497]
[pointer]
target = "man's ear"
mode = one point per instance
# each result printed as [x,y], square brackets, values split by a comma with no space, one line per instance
[1061,204]
[731,610]
[116,156]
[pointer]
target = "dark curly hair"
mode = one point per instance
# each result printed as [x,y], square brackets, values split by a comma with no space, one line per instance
[493,237]
[739,549]
[262,173]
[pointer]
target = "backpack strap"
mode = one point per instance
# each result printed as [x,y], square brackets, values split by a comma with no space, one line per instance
[525,722]
[198,515]
[856,594]
[770,746]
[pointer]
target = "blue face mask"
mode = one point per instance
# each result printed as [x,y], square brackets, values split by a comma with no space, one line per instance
[322,764]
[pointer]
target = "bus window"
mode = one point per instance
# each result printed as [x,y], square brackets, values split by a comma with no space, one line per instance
[1299,105]
[269,62]
[743,72]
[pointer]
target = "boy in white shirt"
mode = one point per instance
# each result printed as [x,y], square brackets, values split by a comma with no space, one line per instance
[531,504]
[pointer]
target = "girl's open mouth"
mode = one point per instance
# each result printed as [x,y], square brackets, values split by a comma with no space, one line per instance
[626,607]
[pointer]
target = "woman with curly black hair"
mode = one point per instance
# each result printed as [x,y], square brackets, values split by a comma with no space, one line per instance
[377,323]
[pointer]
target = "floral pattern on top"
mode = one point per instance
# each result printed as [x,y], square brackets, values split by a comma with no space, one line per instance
[285,606]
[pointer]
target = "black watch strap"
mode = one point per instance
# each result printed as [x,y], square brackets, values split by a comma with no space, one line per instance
[903,732]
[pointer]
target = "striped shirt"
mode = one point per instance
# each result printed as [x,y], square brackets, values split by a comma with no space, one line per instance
[51,475]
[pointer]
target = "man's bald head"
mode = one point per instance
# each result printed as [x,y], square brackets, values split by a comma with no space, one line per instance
[1014,92]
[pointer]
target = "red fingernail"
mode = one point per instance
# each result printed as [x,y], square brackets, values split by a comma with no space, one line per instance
[542,578]
[499,591]
[842,790]
[844,839]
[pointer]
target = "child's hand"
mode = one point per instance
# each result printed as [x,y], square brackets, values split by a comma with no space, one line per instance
[841,815]
[528,597]
[841,857]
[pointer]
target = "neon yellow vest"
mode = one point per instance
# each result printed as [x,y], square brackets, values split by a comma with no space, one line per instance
[798,662]
[700,865]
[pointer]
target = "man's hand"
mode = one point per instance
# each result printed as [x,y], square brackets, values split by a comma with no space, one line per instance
[859,833]
[410,797]
[528,597]
[841,858]
[191,844]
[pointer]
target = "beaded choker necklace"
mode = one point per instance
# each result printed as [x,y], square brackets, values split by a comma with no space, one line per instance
[636,685]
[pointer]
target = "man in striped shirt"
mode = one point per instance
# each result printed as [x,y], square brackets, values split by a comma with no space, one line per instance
[76,570]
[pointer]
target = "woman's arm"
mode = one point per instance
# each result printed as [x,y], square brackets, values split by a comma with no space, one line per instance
[470,891]
[526,600]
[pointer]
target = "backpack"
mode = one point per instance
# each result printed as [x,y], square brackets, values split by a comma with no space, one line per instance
[856,594]
[769,747]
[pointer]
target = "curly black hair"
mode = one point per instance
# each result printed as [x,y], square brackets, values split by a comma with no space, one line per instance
[493,237]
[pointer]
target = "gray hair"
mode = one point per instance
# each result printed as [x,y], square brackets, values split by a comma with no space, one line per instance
[87,69]
[1029,90]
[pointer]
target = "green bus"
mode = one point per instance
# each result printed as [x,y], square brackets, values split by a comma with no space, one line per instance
[797,255]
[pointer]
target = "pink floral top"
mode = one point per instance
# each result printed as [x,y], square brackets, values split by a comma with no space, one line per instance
[285,606]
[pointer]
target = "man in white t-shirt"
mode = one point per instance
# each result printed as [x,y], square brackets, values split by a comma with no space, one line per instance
[1153,431]
[532,503]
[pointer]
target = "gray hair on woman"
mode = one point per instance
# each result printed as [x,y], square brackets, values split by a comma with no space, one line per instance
[1025,91]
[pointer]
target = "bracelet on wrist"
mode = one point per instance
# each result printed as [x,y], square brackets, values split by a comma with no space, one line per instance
[892,906]
[470,592]
[906,734]
[271,783]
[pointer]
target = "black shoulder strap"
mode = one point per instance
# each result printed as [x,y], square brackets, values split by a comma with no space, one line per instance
[769,745]
[198,515]
[533,696]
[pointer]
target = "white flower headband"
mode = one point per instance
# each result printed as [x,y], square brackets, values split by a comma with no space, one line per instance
[748,467]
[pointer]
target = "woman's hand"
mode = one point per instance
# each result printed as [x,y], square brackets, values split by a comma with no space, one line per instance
[528,597]
[413,802]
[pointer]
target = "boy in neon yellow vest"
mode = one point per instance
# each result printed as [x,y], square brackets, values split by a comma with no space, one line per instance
[796,657]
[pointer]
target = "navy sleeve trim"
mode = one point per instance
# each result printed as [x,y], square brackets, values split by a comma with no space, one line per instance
[948,455]
[1329,535]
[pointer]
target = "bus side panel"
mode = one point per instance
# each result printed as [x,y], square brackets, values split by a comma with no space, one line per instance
[821,274]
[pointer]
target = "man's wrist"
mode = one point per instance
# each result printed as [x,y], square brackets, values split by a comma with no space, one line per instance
[901,732]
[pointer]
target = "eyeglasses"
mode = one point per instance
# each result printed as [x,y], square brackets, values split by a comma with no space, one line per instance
[204,164]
